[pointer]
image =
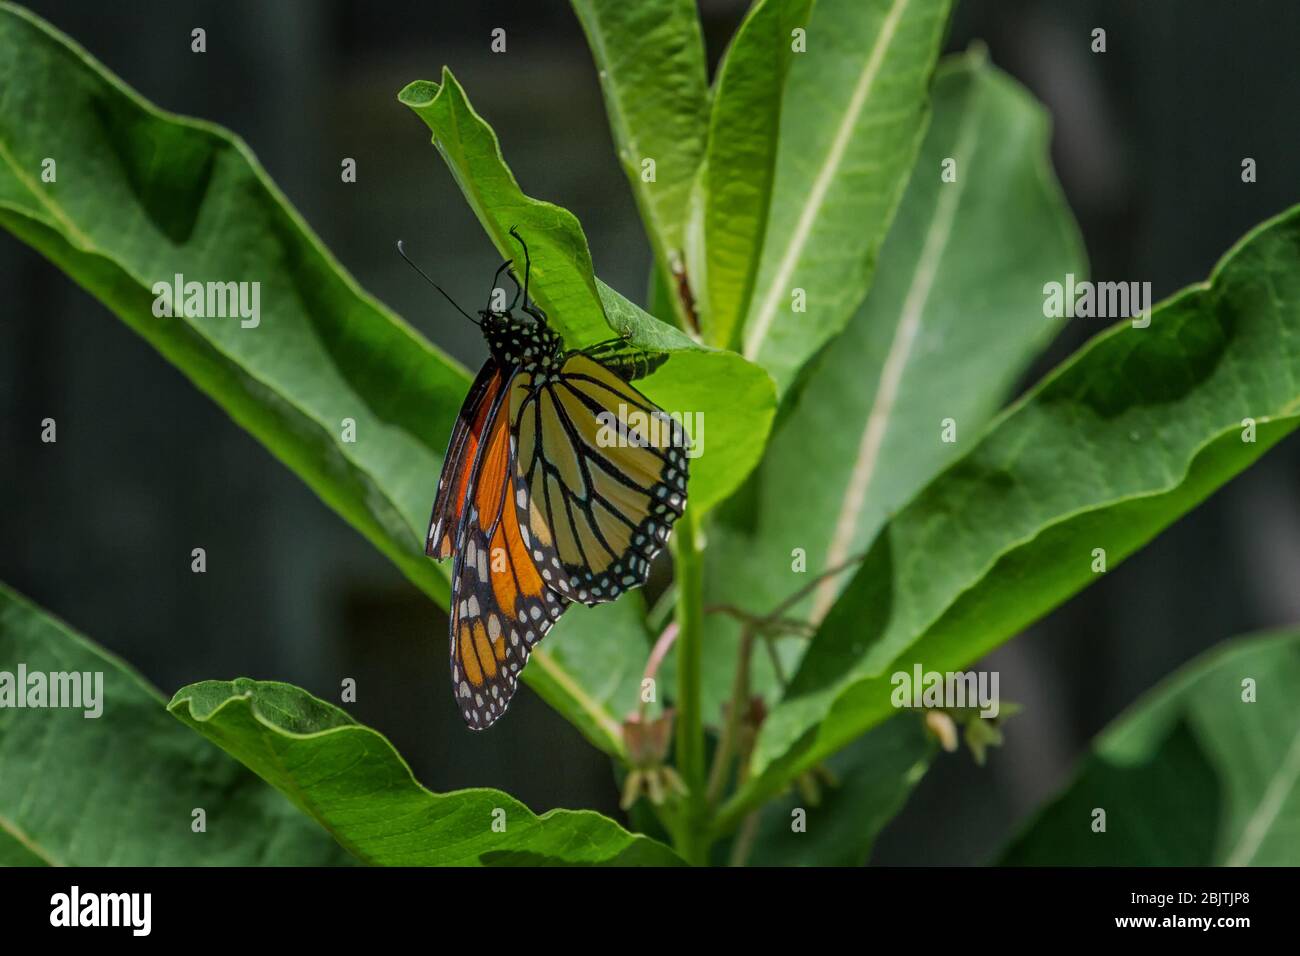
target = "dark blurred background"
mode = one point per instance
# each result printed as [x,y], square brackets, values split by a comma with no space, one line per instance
[98,528]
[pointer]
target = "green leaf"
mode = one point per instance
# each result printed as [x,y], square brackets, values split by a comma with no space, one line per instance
[562,279]
[862,434]
[734,188]
[650,59]
[118,220]
[350,780]
[844,156]
[1192,775]
[120,789]
[731,401]
[1137,428]
[873,777]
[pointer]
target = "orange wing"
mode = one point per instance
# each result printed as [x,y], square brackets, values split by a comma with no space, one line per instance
[459,463]
[500,603]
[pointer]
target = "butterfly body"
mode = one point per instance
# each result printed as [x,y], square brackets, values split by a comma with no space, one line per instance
[552,491]
[523,344]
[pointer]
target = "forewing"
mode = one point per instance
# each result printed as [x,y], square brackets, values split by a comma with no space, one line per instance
[500,605]
[466,436]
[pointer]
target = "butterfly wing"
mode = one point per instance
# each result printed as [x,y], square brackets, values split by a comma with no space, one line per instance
[601,476]
[466,436]
[500,604]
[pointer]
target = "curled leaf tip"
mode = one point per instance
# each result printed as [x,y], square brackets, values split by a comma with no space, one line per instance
[419,92]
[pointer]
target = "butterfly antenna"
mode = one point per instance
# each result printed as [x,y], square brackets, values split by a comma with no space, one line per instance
[402,252]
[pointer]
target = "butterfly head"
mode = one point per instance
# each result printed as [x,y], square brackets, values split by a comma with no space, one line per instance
[523,341]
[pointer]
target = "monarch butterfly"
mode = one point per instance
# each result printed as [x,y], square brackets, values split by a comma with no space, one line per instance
[550,492]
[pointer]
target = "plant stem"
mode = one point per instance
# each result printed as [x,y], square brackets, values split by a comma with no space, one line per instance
[735,714]
[744,843]
[693,837]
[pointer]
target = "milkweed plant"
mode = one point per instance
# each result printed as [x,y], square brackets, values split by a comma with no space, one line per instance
[859,248]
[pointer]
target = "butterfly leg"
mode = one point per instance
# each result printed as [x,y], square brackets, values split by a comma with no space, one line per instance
[528,263]
[518,291]
[529,307]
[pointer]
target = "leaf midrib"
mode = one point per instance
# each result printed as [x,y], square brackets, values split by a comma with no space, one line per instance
[762,320]
[1280,785]
[27,842]
[43,198]
[900,350]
